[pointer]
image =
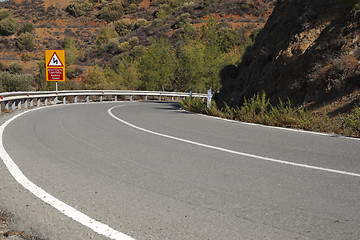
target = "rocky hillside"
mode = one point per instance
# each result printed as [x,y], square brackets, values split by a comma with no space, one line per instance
[52,24]
[308,51]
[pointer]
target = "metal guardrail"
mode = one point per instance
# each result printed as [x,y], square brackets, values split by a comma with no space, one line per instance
[17,100]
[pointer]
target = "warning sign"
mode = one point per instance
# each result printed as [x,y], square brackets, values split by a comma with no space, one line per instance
[55,61]
[55,65]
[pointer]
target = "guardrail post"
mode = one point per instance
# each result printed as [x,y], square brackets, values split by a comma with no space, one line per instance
[87,99]
[38,102]
[64,100]
[7,105]
[209,96]
[101,98]
[146,97]
[31,102]
[25,103]
[115,98]
[160,97]
[55,100]
[131,98]
[46,101]
[13,105]
[19,104]
[190,94]
[172,98]
[75,99]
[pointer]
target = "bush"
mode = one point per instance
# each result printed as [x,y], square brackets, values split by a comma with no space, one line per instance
[113,46]
[27,27]
[124,27]
[352,122]
[228,39]
[78,8]
[4,13]
[69,43]
[8,26]
[25,41]
[134,41]
[104,35]
[182,20]
[15,82]
[141,23]
[26,57]
[15,68]
[124,46]
[111,11]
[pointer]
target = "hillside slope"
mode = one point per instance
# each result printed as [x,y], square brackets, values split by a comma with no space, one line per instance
[308,51]
[53,24]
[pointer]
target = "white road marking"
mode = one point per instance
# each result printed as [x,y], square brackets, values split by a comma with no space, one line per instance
[64,208]
[232,151]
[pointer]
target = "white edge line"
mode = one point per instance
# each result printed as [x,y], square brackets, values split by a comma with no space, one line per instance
[232,151]
[64,208]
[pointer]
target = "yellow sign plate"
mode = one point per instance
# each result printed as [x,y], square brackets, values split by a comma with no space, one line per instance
[55,65]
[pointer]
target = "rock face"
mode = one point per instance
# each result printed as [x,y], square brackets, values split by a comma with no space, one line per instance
[308,52]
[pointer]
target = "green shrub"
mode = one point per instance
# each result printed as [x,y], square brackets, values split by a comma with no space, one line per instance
[26,27]
[193,105]
[141,23]
[228,39]
[25,41]
[104,35]
[352,122]
[70,56]
[113,46]
[124,27]
[69,43]
[15,82]
[182,20]
[8,26]
[137,52]
[4,13]
[111,11]
[134,41]
[15,68]
[26,57]
[124,46]
[78,8]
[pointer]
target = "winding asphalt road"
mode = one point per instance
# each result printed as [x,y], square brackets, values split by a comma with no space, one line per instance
[151,171]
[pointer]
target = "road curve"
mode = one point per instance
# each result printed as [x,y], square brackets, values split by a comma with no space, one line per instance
[151,171]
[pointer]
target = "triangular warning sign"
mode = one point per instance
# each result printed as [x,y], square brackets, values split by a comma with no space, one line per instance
[55,61]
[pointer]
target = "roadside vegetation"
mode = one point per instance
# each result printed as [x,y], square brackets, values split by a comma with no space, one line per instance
[259,110]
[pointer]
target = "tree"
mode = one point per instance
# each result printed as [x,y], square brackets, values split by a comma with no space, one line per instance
[157,66]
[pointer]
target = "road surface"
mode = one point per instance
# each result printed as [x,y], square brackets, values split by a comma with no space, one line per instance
[151,171]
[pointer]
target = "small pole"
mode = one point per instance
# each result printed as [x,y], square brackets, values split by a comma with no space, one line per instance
[56,86]
[209,99]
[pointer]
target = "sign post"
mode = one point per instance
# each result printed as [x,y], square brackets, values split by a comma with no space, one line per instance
[55,66]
